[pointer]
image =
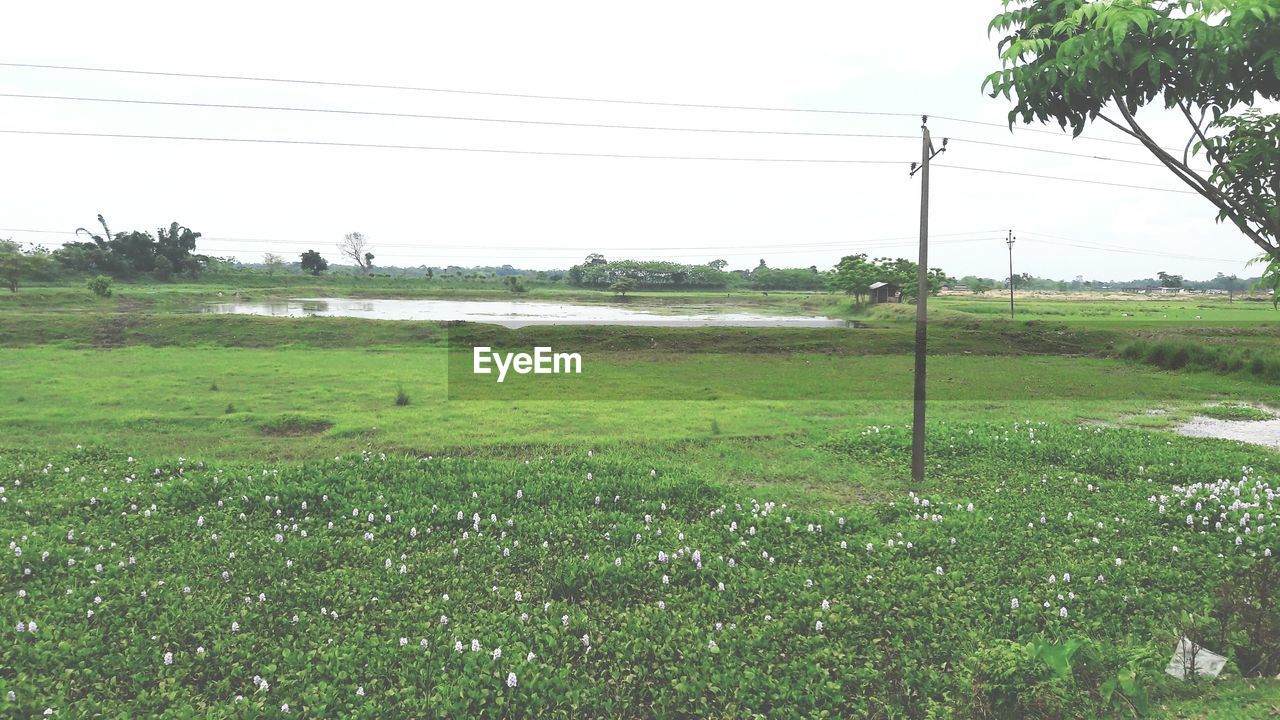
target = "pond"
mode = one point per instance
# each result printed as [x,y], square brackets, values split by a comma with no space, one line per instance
[513,314]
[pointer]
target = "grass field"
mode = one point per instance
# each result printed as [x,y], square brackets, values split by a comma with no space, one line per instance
[1044,426]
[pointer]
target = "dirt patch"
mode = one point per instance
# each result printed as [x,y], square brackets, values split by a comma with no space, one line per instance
[111,333]
[294,426]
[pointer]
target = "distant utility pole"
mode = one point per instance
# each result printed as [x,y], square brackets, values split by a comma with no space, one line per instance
[927,153]
[1010,241]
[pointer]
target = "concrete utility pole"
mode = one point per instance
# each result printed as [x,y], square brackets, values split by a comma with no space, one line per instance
[927,153]
[1010,241]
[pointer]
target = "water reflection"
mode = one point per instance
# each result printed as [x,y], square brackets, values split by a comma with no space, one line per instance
[511,314]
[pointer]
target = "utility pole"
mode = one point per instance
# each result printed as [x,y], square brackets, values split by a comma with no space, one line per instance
[927,153]
[1010,241]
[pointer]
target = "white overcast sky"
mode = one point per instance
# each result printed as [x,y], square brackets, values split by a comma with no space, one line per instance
[441,208]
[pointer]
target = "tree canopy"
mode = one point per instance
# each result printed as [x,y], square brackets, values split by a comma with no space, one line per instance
[1207,62]
[170,252]
[855,274]
[314,263]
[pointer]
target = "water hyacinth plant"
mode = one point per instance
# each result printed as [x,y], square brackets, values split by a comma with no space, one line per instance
[379,586]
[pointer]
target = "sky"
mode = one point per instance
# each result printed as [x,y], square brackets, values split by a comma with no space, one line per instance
[459,207]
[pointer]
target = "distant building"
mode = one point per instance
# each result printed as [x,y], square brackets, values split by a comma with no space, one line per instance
[885,292]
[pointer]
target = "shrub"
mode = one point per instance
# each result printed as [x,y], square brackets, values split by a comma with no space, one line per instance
[402,397]
[100,285]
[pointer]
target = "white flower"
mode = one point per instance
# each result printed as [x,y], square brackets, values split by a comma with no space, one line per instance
[475,645]
[511,679]
[586,640]
[1013,603]
[168,658]
[235,627]
[360,691]
[283,708]
[444,619]
[818,626]
[1062,612]
[497,653]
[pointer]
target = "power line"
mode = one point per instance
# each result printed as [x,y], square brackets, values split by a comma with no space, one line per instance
[501,151]
[554,123]
[330,143]
[1011,128]
[456,91]
[531,96]
[420,116]
[1059,177]
[508,257]
[1057,152]
[1085,245]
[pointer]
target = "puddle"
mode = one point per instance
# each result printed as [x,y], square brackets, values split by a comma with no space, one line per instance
[1255,432]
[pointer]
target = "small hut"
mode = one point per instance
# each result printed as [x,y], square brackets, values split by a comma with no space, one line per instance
[885,292]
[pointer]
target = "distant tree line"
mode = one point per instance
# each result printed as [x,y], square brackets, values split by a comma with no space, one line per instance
[597,272]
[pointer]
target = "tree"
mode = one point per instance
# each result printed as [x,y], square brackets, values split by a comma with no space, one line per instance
[718,264]
[273,262]
[595,259]
[134,252]
[16,264]
[163,269]
[355,247]
[622,286]
[1020,281]
[314,263]
[1167,280]
[178,244]
[854,275]
[1069,60]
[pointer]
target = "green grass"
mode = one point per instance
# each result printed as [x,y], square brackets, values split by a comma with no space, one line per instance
[1236,412]
[157,401]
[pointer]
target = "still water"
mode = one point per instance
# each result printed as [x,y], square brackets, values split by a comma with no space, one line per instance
[512,314]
